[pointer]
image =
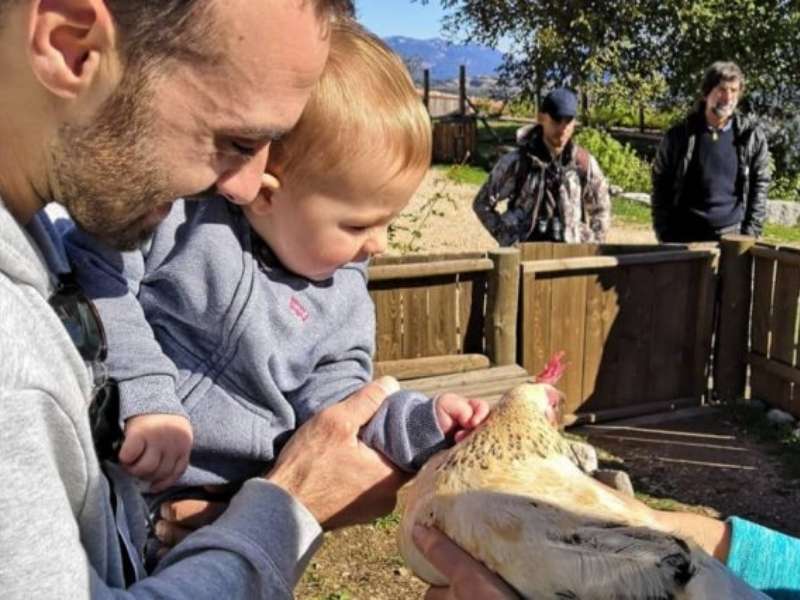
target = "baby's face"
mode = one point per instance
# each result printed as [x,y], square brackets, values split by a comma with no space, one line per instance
[316,225]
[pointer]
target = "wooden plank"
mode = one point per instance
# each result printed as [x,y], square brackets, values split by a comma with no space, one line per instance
[429,269]
[471,390]
[594,338]
[706,304]
[534,334]
[530,251]
[470,377]
[613,414]
[785,372]
[471,318]
[384,260]
[735,289]
[388,323]
[763,284]
[668,331]
[568,315]
[599,374]
[414,342]
[441,324]
[430,366]
[783,255]
[610,262]
[783,327]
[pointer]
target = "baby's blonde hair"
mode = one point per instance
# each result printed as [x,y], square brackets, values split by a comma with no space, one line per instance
[365,102]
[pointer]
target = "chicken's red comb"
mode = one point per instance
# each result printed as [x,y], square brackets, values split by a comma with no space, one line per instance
[553,370]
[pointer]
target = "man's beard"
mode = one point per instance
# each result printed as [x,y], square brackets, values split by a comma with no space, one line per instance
[107,173]
[723,110]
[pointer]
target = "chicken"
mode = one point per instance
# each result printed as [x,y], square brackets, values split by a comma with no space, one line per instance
[511,496]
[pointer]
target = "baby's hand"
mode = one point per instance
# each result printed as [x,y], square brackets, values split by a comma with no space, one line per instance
[156,448]
[457,415]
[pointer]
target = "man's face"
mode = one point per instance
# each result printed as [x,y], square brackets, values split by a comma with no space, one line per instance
[195,128]
[556,131]
[724,98]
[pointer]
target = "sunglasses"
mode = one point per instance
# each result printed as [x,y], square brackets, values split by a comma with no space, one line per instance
[80,319]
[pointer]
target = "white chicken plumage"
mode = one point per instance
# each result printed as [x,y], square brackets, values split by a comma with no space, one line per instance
[511,496]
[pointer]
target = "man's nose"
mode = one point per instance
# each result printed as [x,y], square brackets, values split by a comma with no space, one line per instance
[241,184]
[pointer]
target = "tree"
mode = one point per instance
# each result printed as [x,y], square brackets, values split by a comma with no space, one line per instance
[643,50]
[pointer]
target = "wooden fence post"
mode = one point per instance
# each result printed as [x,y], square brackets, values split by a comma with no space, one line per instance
[502,306]
[732,327]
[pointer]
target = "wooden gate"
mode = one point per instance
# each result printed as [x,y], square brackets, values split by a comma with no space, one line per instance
[635,323]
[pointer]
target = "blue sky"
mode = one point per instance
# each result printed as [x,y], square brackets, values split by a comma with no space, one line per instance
[401,17]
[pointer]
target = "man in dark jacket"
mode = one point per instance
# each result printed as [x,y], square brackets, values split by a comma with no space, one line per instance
[711,173]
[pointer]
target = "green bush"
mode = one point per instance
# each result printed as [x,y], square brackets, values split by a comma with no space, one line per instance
[618,114]
[785,187]
[621,165]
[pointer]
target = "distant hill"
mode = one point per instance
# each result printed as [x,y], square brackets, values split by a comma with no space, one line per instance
[444,58]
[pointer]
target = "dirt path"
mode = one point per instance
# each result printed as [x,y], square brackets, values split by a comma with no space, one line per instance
[457,229]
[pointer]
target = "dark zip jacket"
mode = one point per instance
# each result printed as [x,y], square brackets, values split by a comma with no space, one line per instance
[672,163]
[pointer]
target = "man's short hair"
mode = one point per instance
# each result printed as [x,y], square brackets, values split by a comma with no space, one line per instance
[718,72]
[182,30]
[365,102]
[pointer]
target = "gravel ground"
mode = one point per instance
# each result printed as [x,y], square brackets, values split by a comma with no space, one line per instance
[456,229]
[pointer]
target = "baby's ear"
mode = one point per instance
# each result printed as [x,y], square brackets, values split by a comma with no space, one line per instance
[263,203]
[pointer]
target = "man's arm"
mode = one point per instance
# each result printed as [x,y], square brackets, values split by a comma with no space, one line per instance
[663,178]
[756,208]
[500,186]
[597,203]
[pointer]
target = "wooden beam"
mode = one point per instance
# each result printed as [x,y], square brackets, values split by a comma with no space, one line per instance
[609,262]
[429,366]
[773,254]
[613,414]
[785,372]
[419,270]
[502,306]
[733,324]
[470,377]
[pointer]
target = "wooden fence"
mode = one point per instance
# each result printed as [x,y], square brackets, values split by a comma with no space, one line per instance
[445,313]
[635,323]
[774,341]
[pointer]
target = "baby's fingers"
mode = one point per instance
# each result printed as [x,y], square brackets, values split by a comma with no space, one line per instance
[480,410]
[132,449]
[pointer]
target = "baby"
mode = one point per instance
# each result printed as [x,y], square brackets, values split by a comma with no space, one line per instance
[234,325]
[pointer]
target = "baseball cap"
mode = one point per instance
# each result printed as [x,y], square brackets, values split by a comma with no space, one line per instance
[560,103]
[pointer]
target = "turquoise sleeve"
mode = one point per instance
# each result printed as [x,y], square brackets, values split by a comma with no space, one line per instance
[767,560]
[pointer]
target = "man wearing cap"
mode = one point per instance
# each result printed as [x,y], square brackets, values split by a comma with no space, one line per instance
[548,189]
[711,173]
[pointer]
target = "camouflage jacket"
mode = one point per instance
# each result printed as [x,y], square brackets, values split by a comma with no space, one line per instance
[508,206]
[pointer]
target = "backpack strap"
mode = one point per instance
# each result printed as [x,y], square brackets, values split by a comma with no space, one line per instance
[523,170]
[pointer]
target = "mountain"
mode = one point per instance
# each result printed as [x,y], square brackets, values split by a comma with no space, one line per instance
[443,58]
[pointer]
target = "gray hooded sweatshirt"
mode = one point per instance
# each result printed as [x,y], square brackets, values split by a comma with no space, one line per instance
[64,533]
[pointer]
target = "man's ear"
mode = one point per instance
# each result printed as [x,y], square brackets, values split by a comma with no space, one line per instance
[67,39]
[265,200]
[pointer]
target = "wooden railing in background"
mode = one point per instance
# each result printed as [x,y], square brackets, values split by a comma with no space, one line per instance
[635,323]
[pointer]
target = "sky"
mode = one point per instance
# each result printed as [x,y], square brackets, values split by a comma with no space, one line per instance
[401,17]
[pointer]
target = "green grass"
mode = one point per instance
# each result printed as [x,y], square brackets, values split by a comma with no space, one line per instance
[464,174]
[387,522]
[781,234]
[629,212]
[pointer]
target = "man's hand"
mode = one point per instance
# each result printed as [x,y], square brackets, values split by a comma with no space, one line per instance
[331,471]
[156,448]
[469,579]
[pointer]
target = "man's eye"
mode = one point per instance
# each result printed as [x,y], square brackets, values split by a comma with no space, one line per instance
[244,148]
